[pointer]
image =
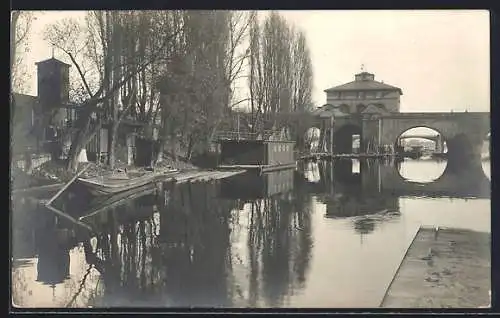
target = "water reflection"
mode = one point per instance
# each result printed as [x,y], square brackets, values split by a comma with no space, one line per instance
[288,238]
[278,244]
[409,170]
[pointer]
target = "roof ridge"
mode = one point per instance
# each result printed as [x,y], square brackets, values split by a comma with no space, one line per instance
[364,85]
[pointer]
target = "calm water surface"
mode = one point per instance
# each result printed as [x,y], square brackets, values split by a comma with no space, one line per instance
[326,235]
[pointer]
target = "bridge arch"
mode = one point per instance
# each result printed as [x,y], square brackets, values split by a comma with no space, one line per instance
[345,138]
[434,135]
[410,169]
[467,148]
[345,108]
[418,137]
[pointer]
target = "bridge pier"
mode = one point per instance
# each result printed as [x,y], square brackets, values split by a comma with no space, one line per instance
[464,154]
[439,148]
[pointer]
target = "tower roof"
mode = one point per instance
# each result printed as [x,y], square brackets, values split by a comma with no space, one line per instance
[53,61]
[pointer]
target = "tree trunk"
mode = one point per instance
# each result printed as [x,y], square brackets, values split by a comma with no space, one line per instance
[173,147]
[81,139]
[190,147]
[113,135]
[76,146]
[159,155]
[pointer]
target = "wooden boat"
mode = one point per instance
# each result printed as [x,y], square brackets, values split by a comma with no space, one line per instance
[100,206]
[109,185]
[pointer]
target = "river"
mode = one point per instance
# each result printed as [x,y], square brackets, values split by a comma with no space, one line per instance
[327,235]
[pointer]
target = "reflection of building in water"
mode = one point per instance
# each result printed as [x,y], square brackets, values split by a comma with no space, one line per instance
[277,248]
[191,259]
[53,247]
[181,257]
[251,186]
[196,245]
[358,194]
[24,218]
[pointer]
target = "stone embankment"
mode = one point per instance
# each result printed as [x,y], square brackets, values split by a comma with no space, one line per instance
[443,268]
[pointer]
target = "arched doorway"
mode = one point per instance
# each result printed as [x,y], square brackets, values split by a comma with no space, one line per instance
[424,154]
[347,139]
[345,109]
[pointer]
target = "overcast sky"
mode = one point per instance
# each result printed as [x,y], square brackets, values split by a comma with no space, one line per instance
[440,59]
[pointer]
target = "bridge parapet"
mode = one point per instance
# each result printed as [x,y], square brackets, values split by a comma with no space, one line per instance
[439,114]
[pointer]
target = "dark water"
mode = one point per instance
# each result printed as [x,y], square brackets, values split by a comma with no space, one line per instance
[326,235]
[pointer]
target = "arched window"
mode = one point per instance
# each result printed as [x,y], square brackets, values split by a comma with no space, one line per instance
[360,108]
[344,108]
[382,107]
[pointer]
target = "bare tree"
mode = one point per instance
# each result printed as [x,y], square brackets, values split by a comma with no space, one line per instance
[280,71]
[302,84]
[98,48]
[21,22]
[19,77]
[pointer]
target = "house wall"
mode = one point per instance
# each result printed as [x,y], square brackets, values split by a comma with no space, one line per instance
[97,145]
[243,153]
[279,152]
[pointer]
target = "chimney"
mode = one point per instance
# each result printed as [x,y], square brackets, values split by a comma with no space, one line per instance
[364,76]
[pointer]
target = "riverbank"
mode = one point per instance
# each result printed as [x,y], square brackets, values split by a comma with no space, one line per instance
[447,268]
[53,172]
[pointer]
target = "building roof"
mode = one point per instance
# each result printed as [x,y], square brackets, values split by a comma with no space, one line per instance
[24,100]
[52,60]
[328,110]
[365,84]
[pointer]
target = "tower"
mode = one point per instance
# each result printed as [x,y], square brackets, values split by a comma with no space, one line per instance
[53,83]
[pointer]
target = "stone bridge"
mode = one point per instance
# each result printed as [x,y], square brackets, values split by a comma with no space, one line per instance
[379,179]
[463,133]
